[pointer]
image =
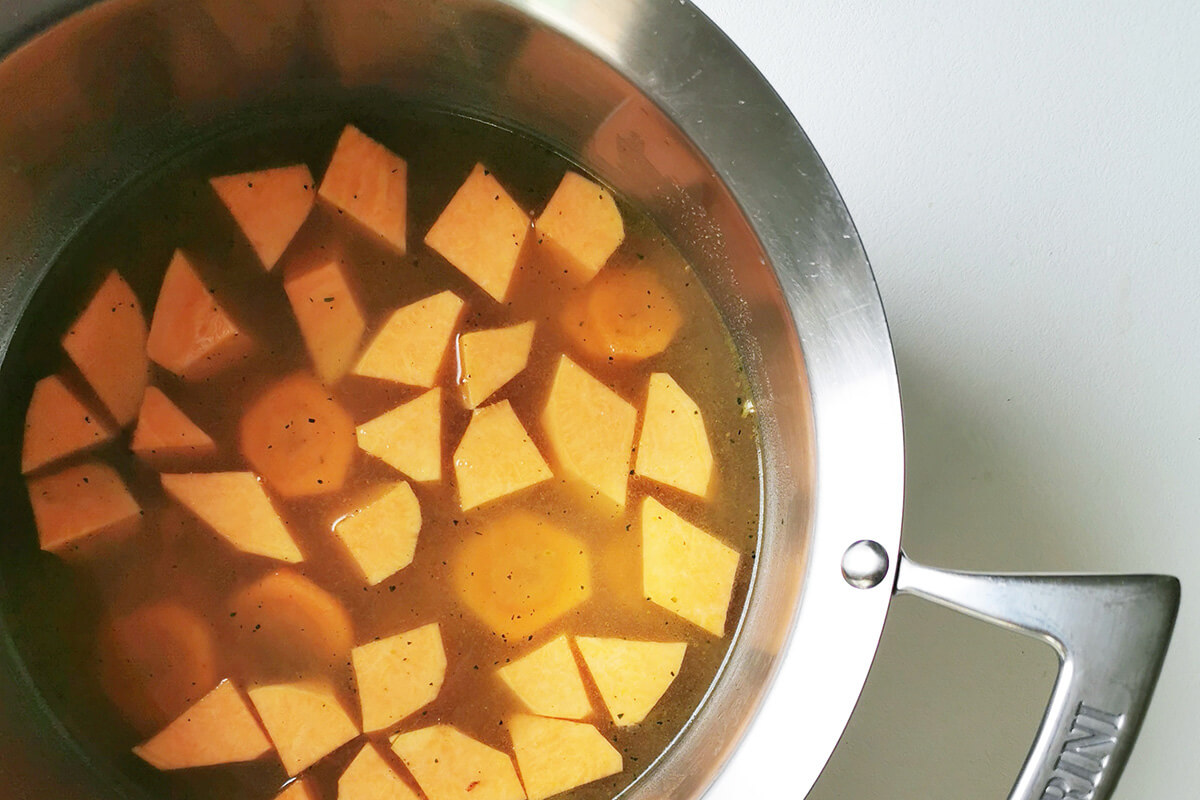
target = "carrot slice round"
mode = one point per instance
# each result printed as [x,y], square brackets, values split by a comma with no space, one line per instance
[624,315]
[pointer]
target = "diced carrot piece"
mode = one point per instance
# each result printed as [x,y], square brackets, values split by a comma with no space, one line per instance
[156,661]
[191,335]
[409,437]
[370,777]
[623,316]
[164,430]
[329,316]
[555,755]
[521,573]
[590,428]
[298,789]
[548,681]
[298,437]
[381,536]
[58,424]
[449,765]
[490,359]
[236,507]
[80,502]
[411,347]
[632,676]
[108,344]
[581,225]
[289,620]
[673,448]
[481,232]
[219,729]
[369,182]
[496,457]
[269,206]
[306,721]
[398,675]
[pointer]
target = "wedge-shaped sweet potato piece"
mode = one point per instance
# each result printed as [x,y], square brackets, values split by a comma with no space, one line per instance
[411,347]
[329,317]
[58,424]
[370,777]
[163,430]
[108,344]
[191,335]
[590,428]
[548,681]
[298,789]
[236,507]
[684,569]
[398,675]
[80,502]
[409,437]
[496,457]
[623,316]
[673,448]
[305,720]
[219,729]
[489,359]
[369,182]
[581,225]
[632,676]
[521,573]
[285,618]
[555,755]
[449,765]
[481,232]
[381,536]
[298,437]
[269,206]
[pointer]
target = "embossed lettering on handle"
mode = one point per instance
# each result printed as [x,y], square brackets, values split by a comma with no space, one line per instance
[1084,755]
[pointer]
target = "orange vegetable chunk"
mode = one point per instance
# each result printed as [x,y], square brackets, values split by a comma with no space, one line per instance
[408,438]
[369,183]
[80,502]
[581,225]
[481,232]
[236,507]
[219,729]
[163,430]
[191,335]
[449,765]
[381,536]
[269,206]
[411,347]
[489,359]
[622,316]
[673,448]
[298,437]
[108,344]
[370,777]
[398,675]
[548,681]
[305,720]
[632,676]
[329,316]
[287,619]
[298,789]
[58,424]
[555,755]
[496,457]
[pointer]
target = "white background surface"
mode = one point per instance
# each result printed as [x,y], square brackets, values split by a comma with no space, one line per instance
[1026,179]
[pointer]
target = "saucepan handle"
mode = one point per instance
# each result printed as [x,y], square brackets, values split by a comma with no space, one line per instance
[1111,634]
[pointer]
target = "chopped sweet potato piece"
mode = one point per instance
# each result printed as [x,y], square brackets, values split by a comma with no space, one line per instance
[306,721]
[298,789]
[58,424]
[329,317]
[370,777]
[298,437]
[163,430]
[623,316]
[409,437]
[581,225]
[236,507]
[449,765]
[286,619]
[219,729]
[490,359]
[108,344]
[496,457]
[398,675]
[481,232]
[381,536]
[631,676]
[673,448]
[590,428]
[684,569]
[269,206]
[411,347]
[521,573]
[191,335]
[548,681]
[80,502]
[555,755]
[369,182]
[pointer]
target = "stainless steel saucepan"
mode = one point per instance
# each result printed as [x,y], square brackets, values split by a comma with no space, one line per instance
[650,96]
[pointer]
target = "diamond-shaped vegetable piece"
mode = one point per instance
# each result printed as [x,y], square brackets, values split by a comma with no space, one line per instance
[219,728]
[555,755]
[58,424]
[78,503]
[496,457]
[489,359]
[164,431]
[370,777]
[306,721]
[236,507]
[329,315]
[581,225]
[411,347]
[409,437]
[632,676]
[269,206]
[673,448]
[398,675]
[548,681]
[449,765]
[369,182]
[381,536]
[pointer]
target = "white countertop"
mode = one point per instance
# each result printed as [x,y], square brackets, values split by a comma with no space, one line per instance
[1026,179]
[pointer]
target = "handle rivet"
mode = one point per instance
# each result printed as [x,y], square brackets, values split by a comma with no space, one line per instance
[865,564]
